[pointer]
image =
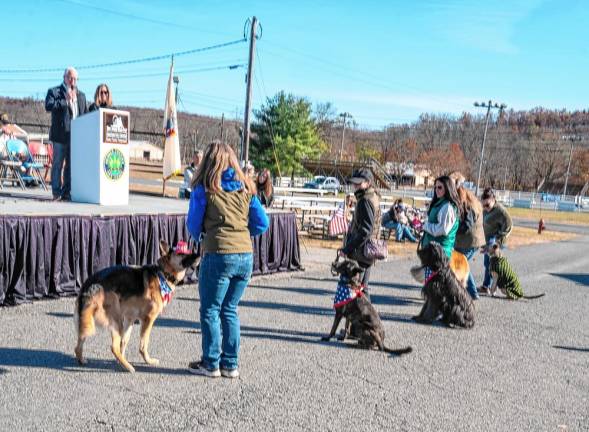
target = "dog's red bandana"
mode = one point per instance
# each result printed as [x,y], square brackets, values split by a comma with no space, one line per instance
[345,294]
[165,289]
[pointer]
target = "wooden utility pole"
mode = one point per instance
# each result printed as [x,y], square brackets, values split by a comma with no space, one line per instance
[487,105]
[248,94]
[344,116]
[222,125]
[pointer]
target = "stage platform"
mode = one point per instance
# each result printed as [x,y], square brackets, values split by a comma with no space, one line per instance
[48,248]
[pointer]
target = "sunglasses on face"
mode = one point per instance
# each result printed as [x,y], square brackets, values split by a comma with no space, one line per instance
[439,187]
[104,92]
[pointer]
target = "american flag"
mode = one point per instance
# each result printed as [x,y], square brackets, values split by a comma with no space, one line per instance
[345,294]
[338,223]
[165,289]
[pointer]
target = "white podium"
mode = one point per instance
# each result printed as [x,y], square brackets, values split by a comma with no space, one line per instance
[100,157]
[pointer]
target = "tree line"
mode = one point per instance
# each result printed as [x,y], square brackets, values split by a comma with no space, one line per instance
[524,150]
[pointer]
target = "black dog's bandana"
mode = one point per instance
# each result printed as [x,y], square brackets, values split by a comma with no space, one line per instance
[345,294]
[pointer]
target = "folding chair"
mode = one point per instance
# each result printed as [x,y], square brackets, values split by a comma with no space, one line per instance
[11,166]
[17,147]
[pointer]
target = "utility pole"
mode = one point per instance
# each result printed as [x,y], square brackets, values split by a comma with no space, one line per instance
[344,116]
[222,125]
[248,94]
[487,105]
[572,139]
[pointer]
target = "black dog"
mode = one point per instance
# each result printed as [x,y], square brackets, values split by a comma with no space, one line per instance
[443,293]
[358,310]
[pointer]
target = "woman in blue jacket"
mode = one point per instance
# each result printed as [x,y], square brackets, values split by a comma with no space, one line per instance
[224,212]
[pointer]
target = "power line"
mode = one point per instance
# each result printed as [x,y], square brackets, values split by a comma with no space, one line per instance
[115,77]
[133,61]
[137,17]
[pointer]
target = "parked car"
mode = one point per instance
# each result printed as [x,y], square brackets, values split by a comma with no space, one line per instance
[330,184]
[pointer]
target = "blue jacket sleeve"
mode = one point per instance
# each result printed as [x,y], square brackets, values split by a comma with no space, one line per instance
[196,212]
[258,221]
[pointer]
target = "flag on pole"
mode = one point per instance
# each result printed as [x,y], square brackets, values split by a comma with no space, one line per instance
[172,161]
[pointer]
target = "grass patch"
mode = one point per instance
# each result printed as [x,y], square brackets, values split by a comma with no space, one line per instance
[519,237]
[573,218]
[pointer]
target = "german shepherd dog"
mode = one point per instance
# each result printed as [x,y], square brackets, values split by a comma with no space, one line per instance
[117,297]
[358,311]
[504,276]
[444,294]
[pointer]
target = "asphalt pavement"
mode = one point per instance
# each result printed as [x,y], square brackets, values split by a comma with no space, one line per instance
[523,367]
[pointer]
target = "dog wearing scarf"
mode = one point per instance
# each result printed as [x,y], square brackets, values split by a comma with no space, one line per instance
[117,297]
[351,303]
[444,295]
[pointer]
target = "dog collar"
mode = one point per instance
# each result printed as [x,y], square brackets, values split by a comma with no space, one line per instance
[165,289]
[433,275]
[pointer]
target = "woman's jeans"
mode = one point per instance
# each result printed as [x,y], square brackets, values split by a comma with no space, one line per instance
[470,284]
[222,281]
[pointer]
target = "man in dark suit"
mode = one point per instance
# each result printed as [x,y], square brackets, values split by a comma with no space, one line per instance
[65,102]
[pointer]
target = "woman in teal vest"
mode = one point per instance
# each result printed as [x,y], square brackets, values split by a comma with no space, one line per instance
[443,216]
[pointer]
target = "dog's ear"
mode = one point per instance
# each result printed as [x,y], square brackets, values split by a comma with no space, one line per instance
[164,248]
[190,260]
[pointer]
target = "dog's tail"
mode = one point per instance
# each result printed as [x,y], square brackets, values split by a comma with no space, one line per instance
[534,296]
[88,306]
[418,273]
[398,352]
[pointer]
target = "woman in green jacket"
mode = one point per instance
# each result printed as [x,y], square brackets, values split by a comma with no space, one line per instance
[443,216]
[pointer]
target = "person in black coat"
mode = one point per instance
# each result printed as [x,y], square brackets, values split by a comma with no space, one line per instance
[65,102]
[102,98]
[365,222]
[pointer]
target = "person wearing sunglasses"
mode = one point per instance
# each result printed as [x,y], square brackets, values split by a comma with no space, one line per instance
[102,98]
[443,216]
[497,225]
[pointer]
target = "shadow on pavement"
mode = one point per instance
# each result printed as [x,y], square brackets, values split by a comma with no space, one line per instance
[46,359]
[570,348]
[375,298]
[578,278]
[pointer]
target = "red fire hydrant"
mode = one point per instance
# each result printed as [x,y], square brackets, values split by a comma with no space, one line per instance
[541,226]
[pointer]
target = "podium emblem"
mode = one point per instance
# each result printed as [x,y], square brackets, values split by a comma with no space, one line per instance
[114,164]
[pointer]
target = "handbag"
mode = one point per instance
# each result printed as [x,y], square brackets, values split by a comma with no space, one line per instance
[375,248]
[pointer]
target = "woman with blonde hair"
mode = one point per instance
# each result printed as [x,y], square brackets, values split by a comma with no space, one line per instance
[224,212]
[470,235]
[102,98]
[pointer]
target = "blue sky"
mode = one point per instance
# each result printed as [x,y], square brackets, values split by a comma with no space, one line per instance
[382,61]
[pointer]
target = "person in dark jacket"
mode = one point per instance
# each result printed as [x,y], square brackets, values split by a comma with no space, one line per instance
[224,212]
[497,225]
[102,98]
[365,222]
[65,103]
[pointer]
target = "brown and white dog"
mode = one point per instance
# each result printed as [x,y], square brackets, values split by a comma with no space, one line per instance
[117,297]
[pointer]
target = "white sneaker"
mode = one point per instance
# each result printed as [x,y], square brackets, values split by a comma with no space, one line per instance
[197,368]
[230,373]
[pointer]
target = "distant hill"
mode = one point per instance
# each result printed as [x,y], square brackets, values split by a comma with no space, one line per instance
[196,131]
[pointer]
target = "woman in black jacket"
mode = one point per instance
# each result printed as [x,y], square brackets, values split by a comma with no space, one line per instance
[365,222]
[102,98]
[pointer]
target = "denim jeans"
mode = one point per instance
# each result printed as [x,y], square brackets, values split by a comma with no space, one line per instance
[401,231]
[61,154]
[222,281]
[471,286]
